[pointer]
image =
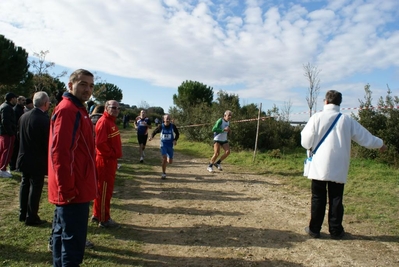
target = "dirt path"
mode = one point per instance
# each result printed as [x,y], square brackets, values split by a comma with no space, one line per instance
[233,218]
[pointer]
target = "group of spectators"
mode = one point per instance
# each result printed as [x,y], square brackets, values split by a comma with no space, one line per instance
[78,151]
[23,146]
[10,111]
[80,160]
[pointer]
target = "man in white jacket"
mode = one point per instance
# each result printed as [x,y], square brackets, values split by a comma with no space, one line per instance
[329,168]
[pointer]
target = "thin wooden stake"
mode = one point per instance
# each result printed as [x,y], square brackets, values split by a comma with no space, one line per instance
[257,132]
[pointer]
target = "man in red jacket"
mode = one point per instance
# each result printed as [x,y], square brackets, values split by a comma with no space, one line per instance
[109,149]
[71,170]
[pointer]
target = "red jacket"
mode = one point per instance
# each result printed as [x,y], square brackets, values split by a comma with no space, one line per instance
[108,138]
[71,165]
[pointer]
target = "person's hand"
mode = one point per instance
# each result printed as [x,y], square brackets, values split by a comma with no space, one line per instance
[383,148]
[149,139]
[227,129]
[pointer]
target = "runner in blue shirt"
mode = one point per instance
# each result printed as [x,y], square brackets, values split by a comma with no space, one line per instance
[169,137]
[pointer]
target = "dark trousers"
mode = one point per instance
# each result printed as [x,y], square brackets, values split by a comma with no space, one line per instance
[30,193]
[69,234]
[335,206]
[14,157]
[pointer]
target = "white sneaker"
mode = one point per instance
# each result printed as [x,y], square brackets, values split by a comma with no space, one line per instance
[210,169]
[219,166]
[5,174]
[163,176]
[141,160]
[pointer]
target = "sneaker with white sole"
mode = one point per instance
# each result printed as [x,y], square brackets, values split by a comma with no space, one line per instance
[163,177]
[5,174]
[210,169]
[109,224]
[141,160]
[219,166]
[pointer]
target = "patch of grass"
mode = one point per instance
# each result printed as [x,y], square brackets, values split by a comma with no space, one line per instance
[195,149]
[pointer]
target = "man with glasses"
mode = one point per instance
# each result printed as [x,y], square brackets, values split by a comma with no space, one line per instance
[220,131]
[109,150]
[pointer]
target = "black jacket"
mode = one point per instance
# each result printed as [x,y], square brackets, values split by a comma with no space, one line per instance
[34,128]
[18,110]
[8,124]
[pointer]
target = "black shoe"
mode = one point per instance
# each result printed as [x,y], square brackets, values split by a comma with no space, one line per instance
[109,224]
[309,232]
[94,219]
[89,244]
[35,223]
[338,237]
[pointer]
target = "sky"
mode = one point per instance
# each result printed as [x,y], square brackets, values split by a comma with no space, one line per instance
[255,49]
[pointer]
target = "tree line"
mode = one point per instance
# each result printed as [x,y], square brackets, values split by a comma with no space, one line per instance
[194,105]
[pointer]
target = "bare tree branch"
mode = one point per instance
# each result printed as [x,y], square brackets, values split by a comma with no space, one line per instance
[312,75]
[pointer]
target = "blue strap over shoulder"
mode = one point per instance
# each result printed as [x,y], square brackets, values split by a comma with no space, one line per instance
[325,135]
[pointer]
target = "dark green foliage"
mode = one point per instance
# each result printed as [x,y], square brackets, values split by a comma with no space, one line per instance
[274,134]
[275,153]
[24,87]
[107,91]
[227,101]
[156,110]
[196,122]
[382,121]
[13,63]
[191,93]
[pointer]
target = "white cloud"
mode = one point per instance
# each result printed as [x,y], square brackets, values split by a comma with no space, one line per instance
[220,43]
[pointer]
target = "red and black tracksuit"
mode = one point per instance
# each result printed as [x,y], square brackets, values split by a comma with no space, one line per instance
[109,149]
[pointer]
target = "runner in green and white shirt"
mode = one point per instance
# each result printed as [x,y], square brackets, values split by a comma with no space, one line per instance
[220,131]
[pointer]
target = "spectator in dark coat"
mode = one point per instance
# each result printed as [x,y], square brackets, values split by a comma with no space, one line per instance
[18,110]
[32,158]
[28,105]
[8,130]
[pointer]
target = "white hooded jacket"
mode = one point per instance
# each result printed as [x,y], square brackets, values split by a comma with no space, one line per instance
[331,161]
